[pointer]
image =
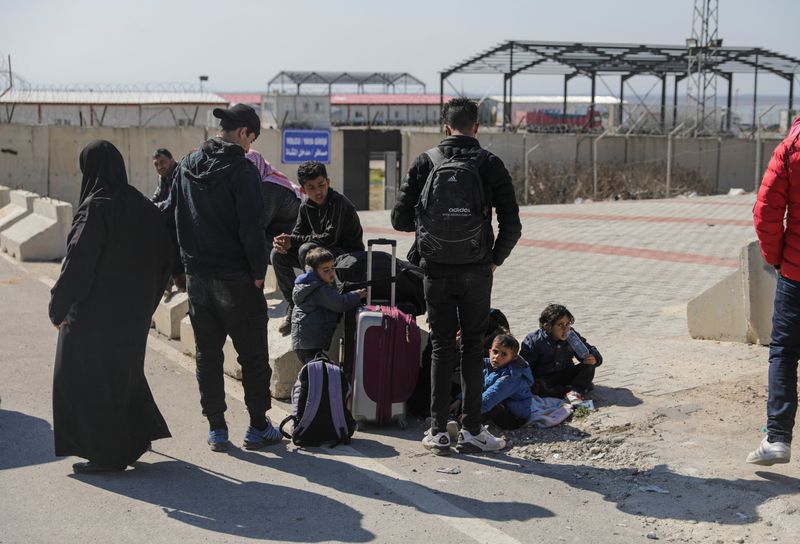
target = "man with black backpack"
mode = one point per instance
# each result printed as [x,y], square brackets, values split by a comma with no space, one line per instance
[447,198]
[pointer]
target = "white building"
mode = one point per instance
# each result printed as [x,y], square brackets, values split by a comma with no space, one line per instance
[385,109]
[109,108]
[280,110]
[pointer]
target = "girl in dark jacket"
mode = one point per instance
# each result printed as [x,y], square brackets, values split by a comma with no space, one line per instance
[551,350]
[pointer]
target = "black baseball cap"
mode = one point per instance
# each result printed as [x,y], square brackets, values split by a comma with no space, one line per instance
[241,115]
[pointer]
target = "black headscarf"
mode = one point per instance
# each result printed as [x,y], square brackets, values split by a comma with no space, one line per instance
[103,170]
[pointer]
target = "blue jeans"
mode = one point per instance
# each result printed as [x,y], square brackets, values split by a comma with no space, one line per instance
[784,352]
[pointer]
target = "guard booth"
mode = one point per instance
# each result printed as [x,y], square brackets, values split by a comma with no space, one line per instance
[372,167]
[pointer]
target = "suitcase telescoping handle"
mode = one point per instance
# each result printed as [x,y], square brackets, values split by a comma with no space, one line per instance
[393,278]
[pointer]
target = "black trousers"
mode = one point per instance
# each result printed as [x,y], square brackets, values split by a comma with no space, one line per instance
[461,300]
[500,416]
[235,308]
[556,384]
[285,263]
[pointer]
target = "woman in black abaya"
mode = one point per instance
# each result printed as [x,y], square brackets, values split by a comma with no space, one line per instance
[119,256]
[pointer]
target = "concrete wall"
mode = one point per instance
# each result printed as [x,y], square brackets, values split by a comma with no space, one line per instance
[724,163]
[44,159]
[107,116]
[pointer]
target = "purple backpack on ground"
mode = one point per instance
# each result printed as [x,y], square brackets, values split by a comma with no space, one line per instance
[319,405]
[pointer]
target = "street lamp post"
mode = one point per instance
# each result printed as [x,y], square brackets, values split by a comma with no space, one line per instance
[202,79]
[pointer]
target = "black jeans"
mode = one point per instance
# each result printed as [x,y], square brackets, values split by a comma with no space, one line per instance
[461,300]
[503,418]
[285,263]
[235,308]
[557,384]
[784,352]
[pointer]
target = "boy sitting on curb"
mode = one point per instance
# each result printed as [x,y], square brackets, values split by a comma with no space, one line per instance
[325,219]
[317,305]
[507,381]
[550,351]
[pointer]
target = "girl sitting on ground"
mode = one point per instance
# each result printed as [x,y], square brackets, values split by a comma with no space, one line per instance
[551,351]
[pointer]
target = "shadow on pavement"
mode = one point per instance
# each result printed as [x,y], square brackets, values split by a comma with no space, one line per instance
[321,468]
[217,502]
[614,396]
[661,493]
[24,440]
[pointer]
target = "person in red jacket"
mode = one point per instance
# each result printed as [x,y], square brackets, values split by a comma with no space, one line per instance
[779,197]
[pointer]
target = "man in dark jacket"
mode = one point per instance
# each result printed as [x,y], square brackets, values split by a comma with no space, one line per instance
[216,201]
[326,219]
[458,292]
[165,166]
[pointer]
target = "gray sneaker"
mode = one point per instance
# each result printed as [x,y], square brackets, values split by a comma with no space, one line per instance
[770,453]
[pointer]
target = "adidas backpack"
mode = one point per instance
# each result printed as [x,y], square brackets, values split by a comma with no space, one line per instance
[319,405]
[453,219]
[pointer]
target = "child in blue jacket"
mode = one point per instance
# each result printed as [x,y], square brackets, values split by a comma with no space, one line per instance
[507,381]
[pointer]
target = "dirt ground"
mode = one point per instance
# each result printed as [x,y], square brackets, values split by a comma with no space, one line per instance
[677,462]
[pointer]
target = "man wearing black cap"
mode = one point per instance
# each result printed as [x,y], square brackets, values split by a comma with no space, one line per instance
[218,211]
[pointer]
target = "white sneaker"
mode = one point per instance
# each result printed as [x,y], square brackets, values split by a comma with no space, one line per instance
[438,443]
[574,398]
[770,453]
[475,443]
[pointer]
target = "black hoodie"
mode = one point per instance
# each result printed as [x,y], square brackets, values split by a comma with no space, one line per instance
[216,199]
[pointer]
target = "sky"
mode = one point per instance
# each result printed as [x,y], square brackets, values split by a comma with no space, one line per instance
[241,45]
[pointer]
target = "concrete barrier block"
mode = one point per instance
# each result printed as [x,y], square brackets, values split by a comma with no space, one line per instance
[738,308]
[187,337]
[271,284]
[230,365]
[20,205]
[169,314]
[40,235]
[5,198]
[718,313]
[759,280]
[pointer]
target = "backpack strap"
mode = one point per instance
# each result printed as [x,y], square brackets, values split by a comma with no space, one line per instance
[314,398]
[283,424]
[336,399]
[436,156]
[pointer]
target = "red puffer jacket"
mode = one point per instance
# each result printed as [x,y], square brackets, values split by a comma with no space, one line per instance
[779,194]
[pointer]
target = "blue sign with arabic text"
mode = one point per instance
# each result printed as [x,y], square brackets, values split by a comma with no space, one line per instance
[306,145]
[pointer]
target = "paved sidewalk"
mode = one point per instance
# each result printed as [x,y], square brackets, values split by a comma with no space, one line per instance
[626,271]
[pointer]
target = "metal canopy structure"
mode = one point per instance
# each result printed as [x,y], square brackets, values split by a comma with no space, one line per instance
[516,57]
[359,79]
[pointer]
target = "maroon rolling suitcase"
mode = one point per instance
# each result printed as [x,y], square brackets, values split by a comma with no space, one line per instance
[387,354]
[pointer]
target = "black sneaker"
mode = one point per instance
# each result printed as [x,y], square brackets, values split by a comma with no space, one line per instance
[286,325]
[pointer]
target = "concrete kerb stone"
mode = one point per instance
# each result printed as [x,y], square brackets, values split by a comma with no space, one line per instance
[168,315]
[4,196]
[283,362]
[738,308]
[20,205]
[42,234]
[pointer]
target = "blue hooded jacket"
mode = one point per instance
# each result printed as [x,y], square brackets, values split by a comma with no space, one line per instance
[317,306]
[510,384]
